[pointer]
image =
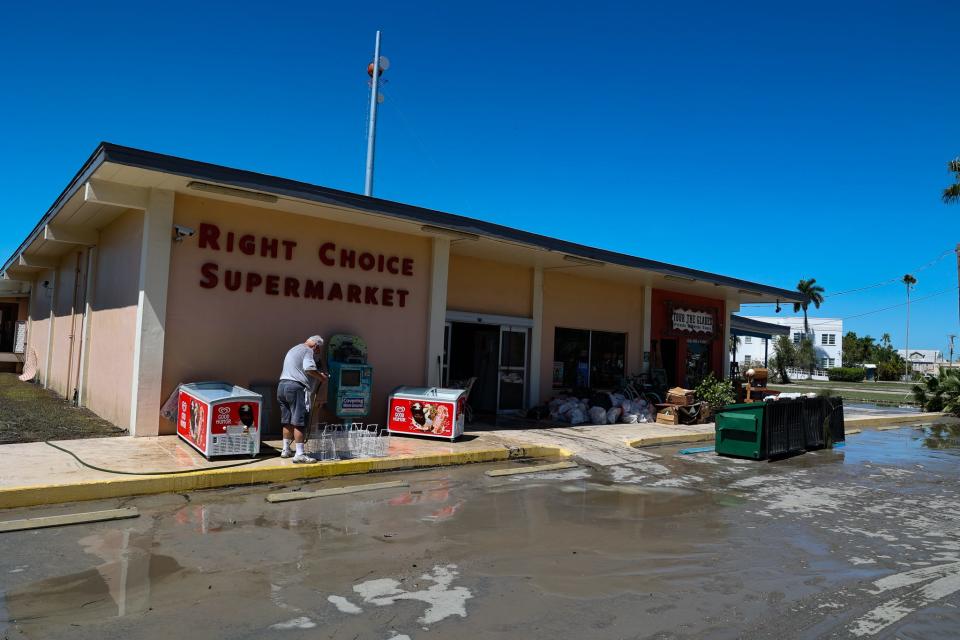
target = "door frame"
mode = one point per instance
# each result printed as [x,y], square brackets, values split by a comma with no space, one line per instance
[509,323]
[504,328]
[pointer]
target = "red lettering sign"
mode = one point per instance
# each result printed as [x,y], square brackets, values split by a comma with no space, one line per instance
[211,238]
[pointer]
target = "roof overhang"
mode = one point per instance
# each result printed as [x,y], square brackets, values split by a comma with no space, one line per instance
[116,179]
[742,326]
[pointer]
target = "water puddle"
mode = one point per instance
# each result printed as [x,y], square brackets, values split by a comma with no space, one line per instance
[110,590]
[936,444]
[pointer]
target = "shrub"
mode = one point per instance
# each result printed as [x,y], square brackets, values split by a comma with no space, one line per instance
[846,374]
[940,393]
[716,393]
[888,371]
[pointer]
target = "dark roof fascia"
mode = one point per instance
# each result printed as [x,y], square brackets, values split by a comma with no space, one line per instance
[756,328]
[129,156]
[88,169]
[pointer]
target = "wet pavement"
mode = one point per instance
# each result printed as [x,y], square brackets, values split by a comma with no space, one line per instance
[859,541]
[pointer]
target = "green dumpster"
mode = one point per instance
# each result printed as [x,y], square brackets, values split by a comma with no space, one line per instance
[739,431]
[761,430]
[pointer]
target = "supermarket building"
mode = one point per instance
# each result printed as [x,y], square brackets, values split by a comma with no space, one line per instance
[151,270]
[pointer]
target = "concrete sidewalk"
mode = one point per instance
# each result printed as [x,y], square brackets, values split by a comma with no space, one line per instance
[605,445]
[35,473]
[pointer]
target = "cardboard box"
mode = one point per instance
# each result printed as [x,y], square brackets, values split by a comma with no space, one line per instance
[681,396]
[668,415]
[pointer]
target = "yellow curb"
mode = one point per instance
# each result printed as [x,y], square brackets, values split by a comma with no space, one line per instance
[125,486]
[680,438]
[880,421]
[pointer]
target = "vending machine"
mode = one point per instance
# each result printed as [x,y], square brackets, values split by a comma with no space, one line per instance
[219,419]
[427,411]
[350,387]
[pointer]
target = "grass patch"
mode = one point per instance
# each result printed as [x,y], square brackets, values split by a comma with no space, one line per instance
[887,399]
[30,413]
[905,387]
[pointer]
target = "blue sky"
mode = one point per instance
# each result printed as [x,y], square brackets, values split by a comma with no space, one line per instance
[764,141]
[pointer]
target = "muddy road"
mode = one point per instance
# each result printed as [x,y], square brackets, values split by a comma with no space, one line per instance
[858,542]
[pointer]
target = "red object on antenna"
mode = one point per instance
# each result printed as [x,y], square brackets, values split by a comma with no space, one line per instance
[370,70]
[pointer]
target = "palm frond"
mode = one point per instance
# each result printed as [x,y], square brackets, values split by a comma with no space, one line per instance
[951,194]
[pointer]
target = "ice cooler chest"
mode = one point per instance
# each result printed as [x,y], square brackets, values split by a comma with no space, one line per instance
[219,419]
[427,411]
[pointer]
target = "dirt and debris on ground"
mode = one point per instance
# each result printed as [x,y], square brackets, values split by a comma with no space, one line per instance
[30,413]
[853,542]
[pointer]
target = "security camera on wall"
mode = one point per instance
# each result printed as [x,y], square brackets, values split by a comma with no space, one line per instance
[183,232]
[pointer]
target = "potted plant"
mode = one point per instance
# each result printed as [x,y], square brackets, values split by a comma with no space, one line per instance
[715,393]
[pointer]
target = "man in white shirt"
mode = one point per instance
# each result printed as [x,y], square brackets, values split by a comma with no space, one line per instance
[293,394]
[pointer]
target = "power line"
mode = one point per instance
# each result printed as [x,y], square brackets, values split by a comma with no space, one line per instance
[875,285]
[902,304]
[893,280]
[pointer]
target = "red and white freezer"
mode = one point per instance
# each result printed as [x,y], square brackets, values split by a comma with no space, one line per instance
[427,411]
[219,419]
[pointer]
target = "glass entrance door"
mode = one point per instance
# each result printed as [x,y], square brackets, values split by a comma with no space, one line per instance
[698,362]
[513,369]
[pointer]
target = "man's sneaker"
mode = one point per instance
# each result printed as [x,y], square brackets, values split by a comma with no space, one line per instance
[303,459]
[286,453]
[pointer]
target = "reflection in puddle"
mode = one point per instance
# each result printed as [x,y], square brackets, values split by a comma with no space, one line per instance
[941,436]
[114,589]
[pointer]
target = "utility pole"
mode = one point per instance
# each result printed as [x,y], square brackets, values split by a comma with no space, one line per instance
[374,70]
[952,336]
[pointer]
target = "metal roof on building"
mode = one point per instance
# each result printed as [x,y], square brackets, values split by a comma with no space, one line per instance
[266,184]
[742,326]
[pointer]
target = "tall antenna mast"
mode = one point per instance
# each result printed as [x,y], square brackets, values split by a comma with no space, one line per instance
[374,69]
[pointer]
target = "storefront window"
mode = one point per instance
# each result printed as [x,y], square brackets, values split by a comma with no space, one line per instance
[607,358]
[698,362]
[584,358]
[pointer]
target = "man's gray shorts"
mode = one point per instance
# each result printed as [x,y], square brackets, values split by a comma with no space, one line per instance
[293,403]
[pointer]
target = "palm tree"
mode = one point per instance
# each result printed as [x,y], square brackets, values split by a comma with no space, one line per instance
[909,281]
[885,340]
[812,294]
[952,193]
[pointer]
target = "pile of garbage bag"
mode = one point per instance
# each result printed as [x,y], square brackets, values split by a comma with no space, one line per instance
[601,408]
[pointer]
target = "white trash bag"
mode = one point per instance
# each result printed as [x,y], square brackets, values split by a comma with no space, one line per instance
[598,415]
[613,415]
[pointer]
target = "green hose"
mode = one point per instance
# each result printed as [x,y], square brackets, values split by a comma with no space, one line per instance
[145,473]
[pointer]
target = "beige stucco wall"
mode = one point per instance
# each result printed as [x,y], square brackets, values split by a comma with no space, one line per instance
[115,289]
[68,312]
[490,287]
[40,298]
[578,302]
[215,333]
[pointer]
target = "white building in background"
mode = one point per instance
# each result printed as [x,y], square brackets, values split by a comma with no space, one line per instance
[924,360]
[827,335]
